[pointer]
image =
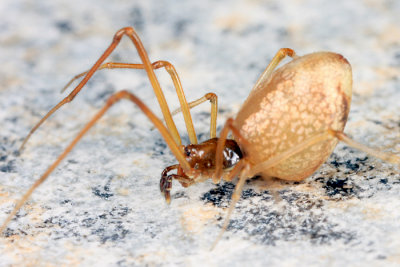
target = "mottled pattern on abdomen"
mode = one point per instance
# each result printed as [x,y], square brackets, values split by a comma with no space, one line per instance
[304,98]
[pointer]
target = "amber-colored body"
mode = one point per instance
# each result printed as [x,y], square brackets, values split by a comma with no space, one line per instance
[309,95]
[287,127]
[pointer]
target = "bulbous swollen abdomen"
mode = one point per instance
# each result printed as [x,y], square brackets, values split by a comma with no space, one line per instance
[304,98]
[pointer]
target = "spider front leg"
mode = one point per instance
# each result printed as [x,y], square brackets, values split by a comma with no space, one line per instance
[184,105]
[149,68]
[175,149]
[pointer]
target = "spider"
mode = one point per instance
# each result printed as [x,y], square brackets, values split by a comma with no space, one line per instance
[288,126]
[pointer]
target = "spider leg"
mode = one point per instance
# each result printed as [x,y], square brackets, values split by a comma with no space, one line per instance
[131,33]
[279,56]
[388,157]
[175,79]
[242,167]
[247,171]
[213,98]
[391,158]
[175,149]
[221,143]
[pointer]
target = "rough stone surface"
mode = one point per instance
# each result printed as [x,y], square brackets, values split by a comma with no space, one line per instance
[102,205]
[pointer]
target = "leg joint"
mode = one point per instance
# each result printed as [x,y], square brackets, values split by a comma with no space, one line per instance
[126,30]
[287,52]
[211,97]
[117,96]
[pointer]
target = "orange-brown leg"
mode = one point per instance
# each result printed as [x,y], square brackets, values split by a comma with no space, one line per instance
[184,106]
[243,167]
[388,157]
[279,56]
[175,149]
[130,32]
[248,171]
[391,158]
[235,171]
[214,110]
[220,146]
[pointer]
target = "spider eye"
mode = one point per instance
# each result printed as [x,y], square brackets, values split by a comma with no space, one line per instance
[187,151]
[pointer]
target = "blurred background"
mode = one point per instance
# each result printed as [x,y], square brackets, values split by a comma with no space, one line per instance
[98,206]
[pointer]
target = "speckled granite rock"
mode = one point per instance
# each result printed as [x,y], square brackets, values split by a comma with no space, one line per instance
[102,205]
